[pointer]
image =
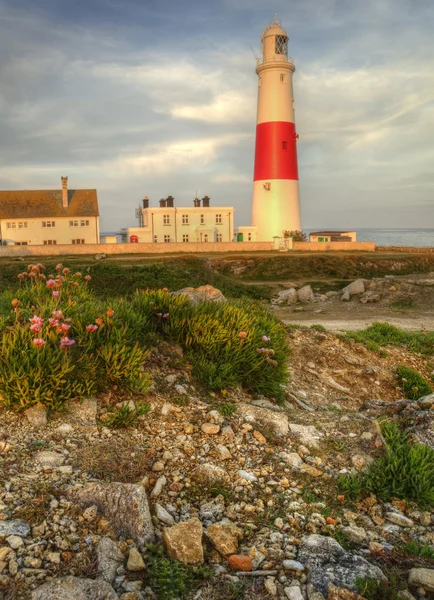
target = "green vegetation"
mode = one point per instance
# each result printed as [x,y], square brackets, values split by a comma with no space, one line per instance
[170,578]
[372,589]
[319,328]
[405,471]
[421,550]
[342,539]
[60,342]
[127,416]
[226,408]
[385,334]
[413,384]
[403,304]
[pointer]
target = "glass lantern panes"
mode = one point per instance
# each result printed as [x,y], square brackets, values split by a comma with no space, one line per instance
[281,45]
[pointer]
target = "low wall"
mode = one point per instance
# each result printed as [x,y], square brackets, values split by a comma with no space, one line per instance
[116,249]
[334,246]
[406,249]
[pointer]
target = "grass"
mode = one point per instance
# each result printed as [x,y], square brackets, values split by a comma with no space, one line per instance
[125,416]
[405,471]
[385,334]
[34,508]
[413,384]
[420,550]
[403,303]
[371,589]
[319,328]
[121,461]
[226,408]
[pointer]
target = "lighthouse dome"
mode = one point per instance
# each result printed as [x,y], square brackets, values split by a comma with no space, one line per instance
[274,43]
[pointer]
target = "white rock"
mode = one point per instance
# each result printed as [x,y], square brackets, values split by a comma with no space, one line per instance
[293,593]
[50,459]
[422,577]
[64,429]
[247,476]
[356,287]
[15,541]
[399,519]
[163,515]
[158,488]
[305,294]
[292,565]
[292,459]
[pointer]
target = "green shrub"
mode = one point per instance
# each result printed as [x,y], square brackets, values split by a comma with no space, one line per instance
[385,334]
[350,485]
[405,471]
[170,578]
[319,328]
[127,416]
[413,384]
[372,589]
[226,408]
[422,550]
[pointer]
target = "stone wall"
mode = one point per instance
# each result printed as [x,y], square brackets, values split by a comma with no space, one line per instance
[172,248]
[334,246]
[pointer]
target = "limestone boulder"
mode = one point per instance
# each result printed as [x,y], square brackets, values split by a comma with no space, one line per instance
[184,542]
[204,293]
[356,287]
[124,505]
[74,588]
[305,294]
[289,296]
[422,577]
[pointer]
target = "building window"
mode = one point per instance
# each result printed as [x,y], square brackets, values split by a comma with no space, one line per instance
[48,223]
[22,224]
[185,238]
[73,223]
[20,243]
[202,219]
[11,225]
[50,242]
[281,46]
[218,219]
[282,79]
[84,223]
[78,241]
[166,219]
[267,186]
[167,238]
[185,219]
[219,237]
[249,237]
[284,145]
[205,237]
[155,239]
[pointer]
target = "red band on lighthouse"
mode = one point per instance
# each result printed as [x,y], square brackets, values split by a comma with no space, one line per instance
[276,151]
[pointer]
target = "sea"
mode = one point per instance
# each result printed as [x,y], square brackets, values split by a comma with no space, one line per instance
[395,237]
[382,237]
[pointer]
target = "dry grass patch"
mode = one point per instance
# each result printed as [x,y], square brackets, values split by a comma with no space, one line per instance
[121,461]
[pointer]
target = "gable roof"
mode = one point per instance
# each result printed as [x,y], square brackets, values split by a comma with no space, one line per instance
[35,204]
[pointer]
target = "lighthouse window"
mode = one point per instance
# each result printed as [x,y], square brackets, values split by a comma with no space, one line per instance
[281,45]
[282,79]
[284,145]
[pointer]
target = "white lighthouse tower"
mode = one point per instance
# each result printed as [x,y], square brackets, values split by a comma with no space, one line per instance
[276,201]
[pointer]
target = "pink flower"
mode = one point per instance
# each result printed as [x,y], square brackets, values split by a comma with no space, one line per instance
[59,267]
[55,293]
[36,320]
[88,278]
[110,312]
[51,283]
[65,342]
[53,322]
[91,328]
[242,335]
[36,328]
[57,314]
[265,338]
[166,316]
[65,327]
[66,271]
[39,342]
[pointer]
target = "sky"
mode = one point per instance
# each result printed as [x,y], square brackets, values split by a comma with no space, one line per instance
[158,98]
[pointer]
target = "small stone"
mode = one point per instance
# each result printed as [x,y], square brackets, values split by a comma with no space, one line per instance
[209,473]
[346,296]
[292,565]
[367,435]
[109,559]
[37,416]
[259,437]
[305,468]
[49,460]
[64,429]
[166,408]
[399,519]
[247,476]
[355,534]
[224,536]
[163,516]
[292,459]
[135,561]
[210,428]
[15,541]
[14,527]
[293,593]
[358,461]
[240,562]
[422,577]
[224,452]
[158,466]
[184,542]
[4,553]
[91,513]
[54,557]
[188,428]
[158,488]
[270,587]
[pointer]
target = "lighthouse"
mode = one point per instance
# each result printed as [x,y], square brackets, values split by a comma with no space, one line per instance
[276,201]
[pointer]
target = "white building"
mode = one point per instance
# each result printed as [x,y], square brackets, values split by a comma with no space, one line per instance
[169,223]
[49,217]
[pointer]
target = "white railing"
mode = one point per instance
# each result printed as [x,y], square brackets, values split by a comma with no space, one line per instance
[275,58]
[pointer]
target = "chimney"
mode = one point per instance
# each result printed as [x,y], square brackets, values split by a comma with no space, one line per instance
[145,202]
[196,202]
[205,201]
[64,192]
[162,203]
[169,201]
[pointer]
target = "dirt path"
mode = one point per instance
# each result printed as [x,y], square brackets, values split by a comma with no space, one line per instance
[333,323]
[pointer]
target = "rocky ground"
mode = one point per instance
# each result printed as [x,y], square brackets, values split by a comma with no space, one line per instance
[230,481]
